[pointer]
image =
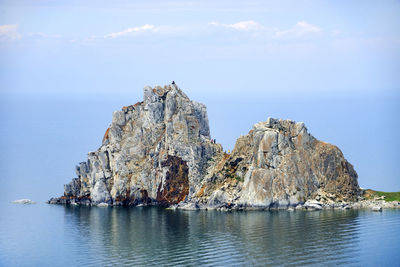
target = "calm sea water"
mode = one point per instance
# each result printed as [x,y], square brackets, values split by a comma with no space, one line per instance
[49,235]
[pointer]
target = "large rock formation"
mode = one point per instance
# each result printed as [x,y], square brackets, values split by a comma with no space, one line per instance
[155,151]
[159,151]
[279,164]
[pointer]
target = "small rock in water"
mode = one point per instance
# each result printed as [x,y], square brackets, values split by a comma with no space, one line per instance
[190,206]
[102,204]
[376,208]
[23,201]
[313,205]
[172,207]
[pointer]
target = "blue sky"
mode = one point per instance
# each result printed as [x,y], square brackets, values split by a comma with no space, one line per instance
[66,65]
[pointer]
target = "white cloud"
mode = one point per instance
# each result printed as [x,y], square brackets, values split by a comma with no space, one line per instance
[249,25]
[132,31]
[301,28]
[41,35]
[9,32]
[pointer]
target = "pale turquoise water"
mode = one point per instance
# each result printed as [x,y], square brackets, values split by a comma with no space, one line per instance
[48,235]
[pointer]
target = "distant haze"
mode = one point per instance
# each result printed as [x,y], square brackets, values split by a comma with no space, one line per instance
[65,66]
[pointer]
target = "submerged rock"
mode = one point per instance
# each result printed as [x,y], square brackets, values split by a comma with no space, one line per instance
[23,201]
[159,152]
[376,208]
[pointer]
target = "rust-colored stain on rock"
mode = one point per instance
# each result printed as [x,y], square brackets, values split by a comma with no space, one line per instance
[176,185]
[106,135]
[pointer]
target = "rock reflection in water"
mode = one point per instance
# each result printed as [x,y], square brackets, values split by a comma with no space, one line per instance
[137,236]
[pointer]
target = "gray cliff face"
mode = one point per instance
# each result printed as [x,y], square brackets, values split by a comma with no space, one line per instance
[155,151]
[279,164]
[159,151]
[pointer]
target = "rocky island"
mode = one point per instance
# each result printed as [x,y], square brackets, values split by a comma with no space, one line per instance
[160,152]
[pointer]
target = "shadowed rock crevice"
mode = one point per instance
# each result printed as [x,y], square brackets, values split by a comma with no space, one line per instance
[176,185]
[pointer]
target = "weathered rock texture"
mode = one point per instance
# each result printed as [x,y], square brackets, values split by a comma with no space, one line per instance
[155,151]
[279,164]
[159,151]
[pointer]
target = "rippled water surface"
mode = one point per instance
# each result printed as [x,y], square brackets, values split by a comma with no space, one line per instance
[48,235]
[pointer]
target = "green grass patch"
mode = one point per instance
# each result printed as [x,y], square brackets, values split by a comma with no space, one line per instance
[389,196]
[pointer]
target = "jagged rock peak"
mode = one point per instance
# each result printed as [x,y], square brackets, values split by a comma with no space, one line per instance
[154,152]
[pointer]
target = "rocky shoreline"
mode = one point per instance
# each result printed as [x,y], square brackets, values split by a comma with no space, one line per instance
[160,152]
[310,205]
